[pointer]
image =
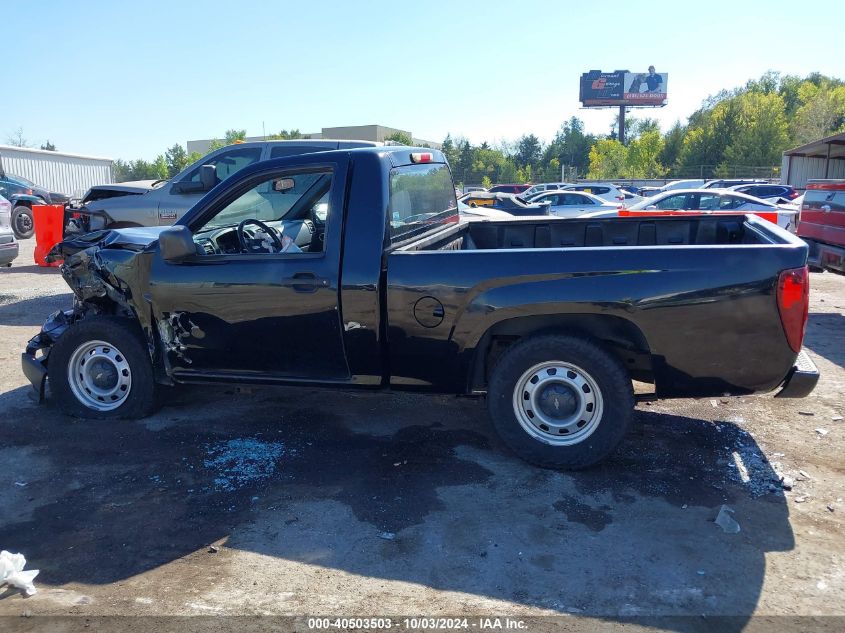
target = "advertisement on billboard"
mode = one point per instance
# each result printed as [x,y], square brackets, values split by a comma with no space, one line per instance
[622,87]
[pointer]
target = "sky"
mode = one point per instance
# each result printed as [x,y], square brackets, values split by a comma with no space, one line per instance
[129,79]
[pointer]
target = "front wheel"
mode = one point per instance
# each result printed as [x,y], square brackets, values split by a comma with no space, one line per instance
[22,223]
[560,401]
[100,368]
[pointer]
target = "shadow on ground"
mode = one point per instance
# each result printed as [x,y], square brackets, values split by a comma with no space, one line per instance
[825,333]
[396,487]
[15,311]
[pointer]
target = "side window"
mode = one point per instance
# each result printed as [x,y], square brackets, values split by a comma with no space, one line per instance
[228,163]
[280,213]
[672,202]
[731,202]
[708,202]
[281,151]
[600,191]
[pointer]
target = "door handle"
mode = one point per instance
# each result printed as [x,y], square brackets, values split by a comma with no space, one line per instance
[306,282]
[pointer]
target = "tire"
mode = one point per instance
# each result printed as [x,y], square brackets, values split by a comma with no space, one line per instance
[22,223]
[116,383]
[578,391]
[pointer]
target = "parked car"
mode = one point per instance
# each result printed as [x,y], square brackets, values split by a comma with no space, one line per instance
[509,202]
[571,204]
[607,191]
[726,184]
[473,189]
[162,202]
[683,184]
[508,188]
[718,200]
[822,223]
[646,192]
[22,194]
[774,193]
[353,269]
[533,190]
[8,243]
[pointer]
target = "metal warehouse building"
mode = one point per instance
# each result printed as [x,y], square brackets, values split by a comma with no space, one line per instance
[63,173]
[824,158]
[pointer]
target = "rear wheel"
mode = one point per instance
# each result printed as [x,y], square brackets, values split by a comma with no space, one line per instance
[100,368]
[22,223]
[560,401]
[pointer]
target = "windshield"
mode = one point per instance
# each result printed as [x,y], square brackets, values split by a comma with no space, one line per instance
[421,196]
[297,197]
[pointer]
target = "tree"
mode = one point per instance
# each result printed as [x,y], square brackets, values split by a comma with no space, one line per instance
[762,132]
[159,168]
[17,139]
[285,135]
[643,156]
[486,182]
[821,114]
[607,159]
[571,148]
[176,158]
[528,151]
[672,144]
[401,138]
[48,146]
[228,139]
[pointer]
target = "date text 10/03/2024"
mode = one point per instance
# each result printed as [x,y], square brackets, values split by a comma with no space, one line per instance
[479,623]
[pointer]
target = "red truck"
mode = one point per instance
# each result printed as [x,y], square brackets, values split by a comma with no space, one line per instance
[822,223]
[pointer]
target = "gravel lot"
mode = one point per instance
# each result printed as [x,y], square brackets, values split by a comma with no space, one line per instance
[321,502]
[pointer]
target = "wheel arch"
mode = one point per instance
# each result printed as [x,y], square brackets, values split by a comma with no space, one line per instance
[623,338]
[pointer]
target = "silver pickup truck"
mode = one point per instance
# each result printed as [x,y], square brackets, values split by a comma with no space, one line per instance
[162,202]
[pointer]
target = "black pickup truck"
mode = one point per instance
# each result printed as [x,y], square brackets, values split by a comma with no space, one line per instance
[354,269]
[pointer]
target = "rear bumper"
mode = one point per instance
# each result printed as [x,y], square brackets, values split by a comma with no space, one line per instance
[826,256]
[802,378]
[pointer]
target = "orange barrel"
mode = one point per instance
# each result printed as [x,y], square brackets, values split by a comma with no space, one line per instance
[49,230]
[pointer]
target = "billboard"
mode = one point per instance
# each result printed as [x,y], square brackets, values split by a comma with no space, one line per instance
[622,87]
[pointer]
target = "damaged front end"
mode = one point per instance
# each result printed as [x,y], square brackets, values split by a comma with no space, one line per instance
[101,269]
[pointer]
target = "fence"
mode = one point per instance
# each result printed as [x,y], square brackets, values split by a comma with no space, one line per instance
[705,172]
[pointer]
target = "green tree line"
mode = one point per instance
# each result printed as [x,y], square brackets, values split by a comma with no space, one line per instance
[741,132]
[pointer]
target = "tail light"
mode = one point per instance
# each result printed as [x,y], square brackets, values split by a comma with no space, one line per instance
[793,304]
[794,194]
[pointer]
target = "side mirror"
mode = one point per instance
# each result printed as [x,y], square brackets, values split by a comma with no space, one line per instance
[208,177]
[176,243]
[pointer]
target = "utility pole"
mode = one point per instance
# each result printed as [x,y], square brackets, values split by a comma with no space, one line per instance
[622,124]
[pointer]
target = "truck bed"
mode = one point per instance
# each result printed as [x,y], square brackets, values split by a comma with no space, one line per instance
[684,301]
[576,233]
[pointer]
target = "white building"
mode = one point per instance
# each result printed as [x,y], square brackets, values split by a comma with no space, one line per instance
[70,174]
[824,158]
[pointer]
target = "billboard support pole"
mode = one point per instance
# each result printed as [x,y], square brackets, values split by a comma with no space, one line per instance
[622,124]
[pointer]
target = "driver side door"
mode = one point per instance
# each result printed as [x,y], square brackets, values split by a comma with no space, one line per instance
[255,313]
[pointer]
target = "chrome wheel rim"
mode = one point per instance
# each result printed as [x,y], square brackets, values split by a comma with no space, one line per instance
[99,376]
[558,403]
[23,223]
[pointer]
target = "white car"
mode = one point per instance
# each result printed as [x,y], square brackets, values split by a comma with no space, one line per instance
[8,243]
[534,190]
[723,200]
[683,184]
[573,204]
[607,191]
